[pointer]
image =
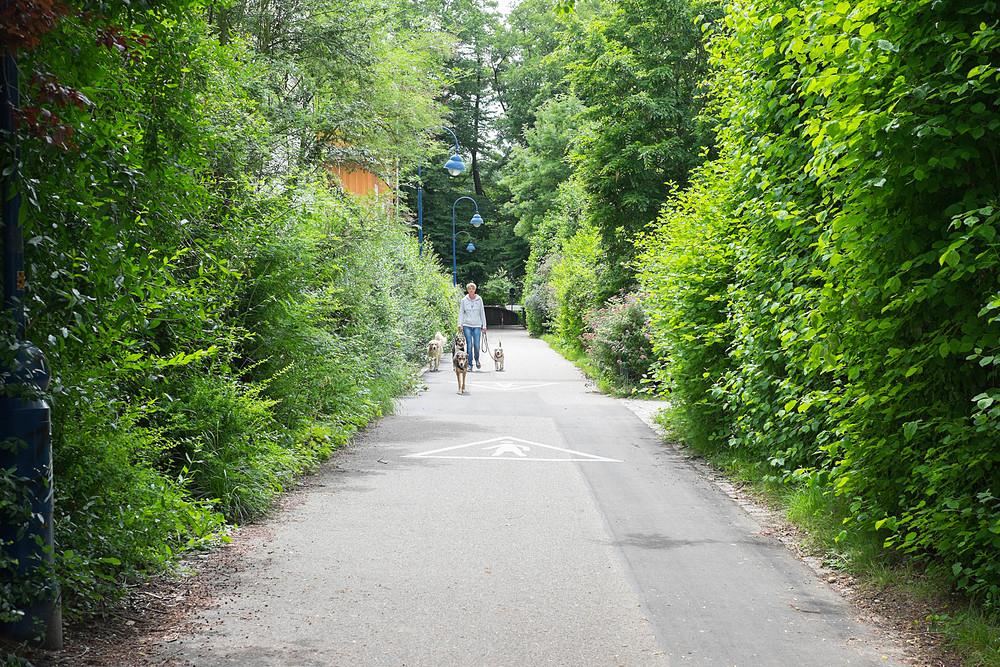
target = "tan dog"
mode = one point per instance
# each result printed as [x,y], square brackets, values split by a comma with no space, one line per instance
[460,360]
[435,350]
[498,357]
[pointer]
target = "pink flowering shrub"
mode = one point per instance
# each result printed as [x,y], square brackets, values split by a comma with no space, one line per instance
[618,341]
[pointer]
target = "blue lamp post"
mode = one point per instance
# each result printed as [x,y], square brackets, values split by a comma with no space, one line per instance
[470,247]
[455,166]
[475,222]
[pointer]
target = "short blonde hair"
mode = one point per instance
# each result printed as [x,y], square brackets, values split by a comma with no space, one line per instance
[470,285]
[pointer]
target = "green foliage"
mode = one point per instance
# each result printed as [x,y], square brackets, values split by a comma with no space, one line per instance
[322,69]
[576,281]
[618,342]
[637,67]
[217,319]
[685,268]
[120,511]
[228,447]
[16,593]
[974,633]
[529,68]
[535,172]
[498,289]
[848,275]
[340,294]
[539,296]
[12,660]
[541,301]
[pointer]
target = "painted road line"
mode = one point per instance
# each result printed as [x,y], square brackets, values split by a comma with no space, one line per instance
[512,386]
[508,448]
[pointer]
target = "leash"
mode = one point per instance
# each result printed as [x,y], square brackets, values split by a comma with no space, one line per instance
[484,346]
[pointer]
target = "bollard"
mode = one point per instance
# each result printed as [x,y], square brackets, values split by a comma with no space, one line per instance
[27,424]
[26,437]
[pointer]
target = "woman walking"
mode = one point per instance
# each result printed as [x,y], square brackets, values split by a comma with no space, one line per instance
[472,321]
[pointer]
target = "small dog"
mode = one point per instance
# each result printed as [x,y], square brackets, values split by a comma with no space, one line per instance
[498,357]
[458,344]
[435,350]
[460,360]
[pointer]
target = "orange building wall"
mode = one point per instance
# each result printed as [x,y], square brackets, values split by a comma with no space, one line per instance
[360,182]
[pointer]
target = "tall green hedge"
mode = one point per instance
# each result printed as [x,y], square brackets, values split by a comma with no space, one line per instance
[686,270]
[858,261]
[217,318]
[310,339]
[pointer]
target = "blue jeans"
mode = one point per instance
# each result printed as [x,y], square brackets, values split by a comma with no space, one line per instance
[472,342]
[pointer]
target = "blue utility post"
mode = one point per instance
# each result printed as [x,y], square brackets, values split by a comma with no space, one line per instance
[455,166]
[475,222]
[420,211]
[25,430]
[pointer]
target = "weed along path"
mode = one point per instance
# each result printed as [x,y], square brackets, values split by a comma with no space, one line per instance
[529,521]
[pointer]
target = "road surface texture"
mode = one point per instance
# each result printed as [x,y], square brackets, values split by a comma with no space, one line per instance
[530,521]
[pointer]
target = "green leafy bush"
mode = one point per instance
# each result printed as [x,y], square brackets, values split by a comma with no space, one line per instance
[562,221]
[576,281]
[498,289]
[16,592]
[618,342]
[539,297]
[119,511]
[227,444]
[336,310]
[685,270]
[217,318]
[848,278]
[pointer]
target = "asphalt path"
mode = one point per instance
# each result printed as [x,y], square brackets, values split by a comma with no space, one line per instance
[529,521]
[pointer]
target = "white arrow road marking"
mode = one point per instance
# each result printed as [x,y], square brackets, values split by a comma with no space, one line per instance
[509,445]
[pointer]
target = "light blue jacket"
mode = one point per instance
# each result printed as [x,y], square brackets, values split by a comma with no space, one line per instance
[471,313]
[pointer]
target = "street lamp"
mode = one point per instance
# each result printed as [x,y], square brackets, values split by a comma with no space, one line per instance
[475,222]
[470,247]
[455,166]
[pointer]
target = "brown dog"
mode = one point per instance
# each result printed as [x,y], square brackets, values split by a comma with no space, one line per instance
[460,360]
[498,357]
